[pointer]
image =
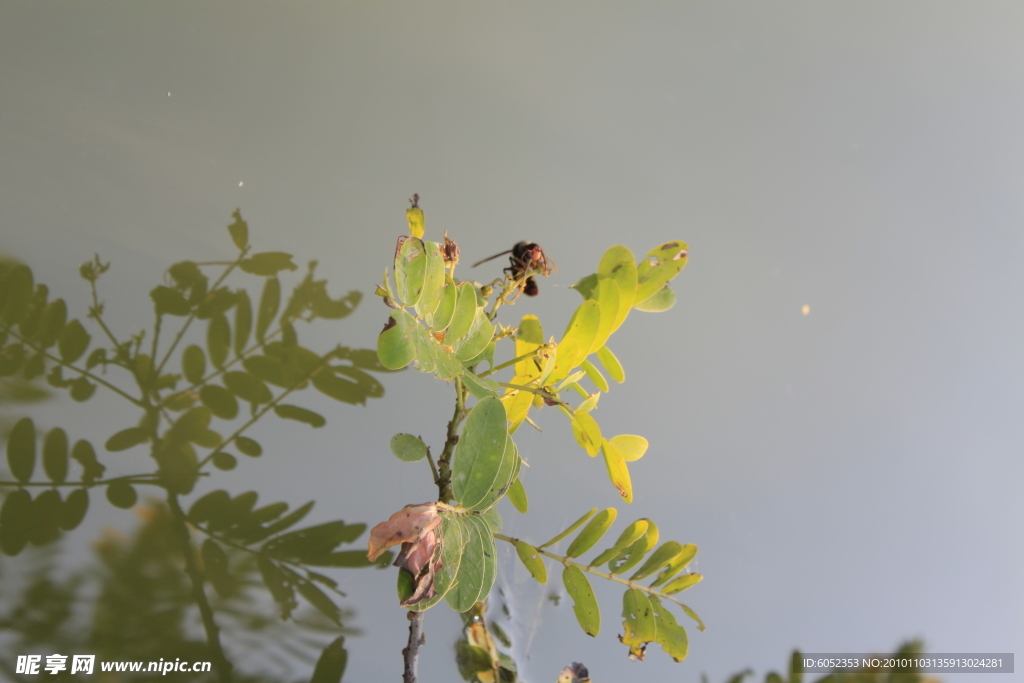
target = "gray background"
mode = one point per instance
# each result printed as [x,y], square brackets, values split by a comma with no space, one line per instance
[852,476]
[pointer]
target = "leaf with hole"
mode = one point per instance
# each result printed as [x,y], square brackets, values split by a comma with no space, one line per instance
[267,263]
[584,604]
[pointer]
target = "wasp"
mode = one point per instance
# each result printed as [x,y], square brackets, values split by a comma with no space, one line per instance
[527,257]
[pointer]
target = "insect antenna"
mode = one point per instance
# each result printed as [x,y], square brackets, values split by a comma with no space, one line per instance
[491,258]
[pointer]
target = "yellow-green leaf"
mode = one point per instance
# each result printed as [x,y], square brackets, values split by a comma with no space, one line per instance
[587,432]
[661,557]
[433,280]
[678,563]
[578,340]
[670,635]
[611,364]
[572,527]
[410,270]
[639,625]
[592,533]
[532,560]
[681,583]
[595,375]
[630,535]
[584,604]
[632,446]
[618,473]
[517,496]
[396,345]
[416,221]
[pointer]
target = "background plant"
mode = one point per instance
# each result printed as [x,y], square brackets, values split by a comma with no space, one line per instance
[194,405]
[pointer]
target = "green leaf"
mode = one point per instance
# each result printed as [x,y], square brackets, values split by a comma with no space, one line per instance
[678,563]
[572,527]
[276,582]
[323,604]
[480,454]
[632,555]
[21,449]
[121,494]
[220,401]
[243,321]
[248,446]
[480,335]
[662,300]
[246,387]
[587,432]
[433,280]
[578,340]
[224,461]
[595,375]
[54,316]
[178,465]
[630,535]
[290,412]
[584,604]
[218,339]
[85,455]
[44,522]
[477,567]
[15,514]
[73,342]
[611,364]
[348,558]
[340,389]
[313,541]
[73,510]
[410,270]
[408,447]
[670,635]
[239,231]
[270,302]
[592,533]
[215,562]
[169,301]
[191,426]
[81,389]
[396,345]
[678,585]
[661,265]
[618,472]
[532,560]
[267,263]
[211,506]
[331,665]
[445,311]
[16,291]
[517,496]
[639,625]
[480,388]
[631,446]
[464,314]
[193,364]
[55,455]
[661,557]
[268,369]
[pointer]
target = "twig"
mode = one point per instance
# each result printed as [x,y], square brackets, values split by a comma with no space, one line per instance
[411,652]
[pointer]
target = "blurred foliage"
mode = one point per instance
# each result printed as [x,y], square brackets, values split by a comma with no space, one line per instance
[217,359]
[795,671]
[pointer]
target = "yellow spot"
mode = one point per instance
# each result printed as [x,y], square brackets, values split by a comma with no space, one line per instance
[805,310]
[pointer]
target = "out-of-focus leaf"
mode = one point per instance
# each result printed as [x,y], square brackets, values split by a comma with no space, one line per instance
[193,364]
[55,455]
[592,533]
[16,292]
[15,514]
[44,520]
[81,389]
[313,541]
[331,665]
[178,465]
[584,604]
[219,400]
[54,316]
[408,447]
[246,387]
[276,582]
[218,339]
[73,341]
[323,604]
[21,449]
[267,263]
[121,494]
[85,455]
[243,321]
[248,446]
[73,510]
[290,412]
[189,427]
[239,231]
[270,302]
[216,565]
[169,301]
[224,461]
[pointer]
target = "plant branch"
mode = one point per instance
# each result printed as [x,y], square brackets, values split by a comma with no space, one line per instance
[196,576]
[525,356]
[69,366]
[411,652]
[151,479]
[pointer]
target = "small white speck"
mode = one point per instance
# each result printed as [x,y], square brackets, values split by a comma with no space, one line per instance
[240,184]
[806,310]
[168,93]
